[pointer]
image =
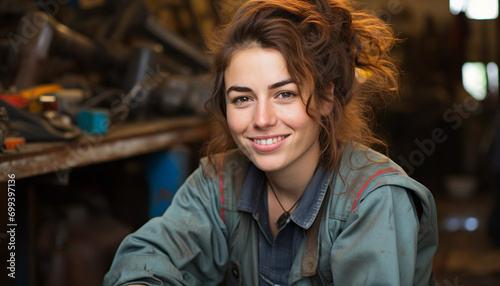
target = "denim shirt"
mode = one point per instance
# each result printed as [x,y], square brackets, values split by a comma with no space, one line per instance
[276,255]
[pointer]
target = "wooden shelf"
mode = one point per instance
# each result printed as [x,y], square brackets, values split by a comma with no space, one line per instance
[122,141]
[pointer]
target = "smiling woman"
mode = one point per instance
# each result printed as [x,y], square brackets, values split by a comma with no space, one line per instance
[290,192]
[264,105]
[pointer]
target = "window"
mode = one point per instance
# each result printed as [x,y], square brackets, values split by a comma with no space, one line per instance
[479,79]
[477,9]
[493,81]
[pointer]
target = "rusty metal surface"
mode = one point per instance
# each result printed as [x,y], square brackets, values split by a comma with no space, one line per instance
[121,142]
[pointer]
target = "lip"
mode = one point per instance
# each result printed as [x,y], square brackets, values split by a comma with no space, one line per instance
[270,147]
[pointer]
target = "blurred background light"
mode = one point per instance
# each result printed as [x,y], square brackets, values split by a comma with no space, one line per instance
[457,6]
[493,79]
[474,80]
[456,223]
[477,9]
[471,224]
[452,224]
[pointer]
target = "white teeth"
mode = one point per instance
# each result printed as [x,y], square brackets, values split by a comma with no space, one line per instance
[268,141]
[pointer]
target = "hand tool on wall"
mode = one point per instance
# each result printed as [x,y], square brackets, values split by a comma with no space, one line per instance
[51,36]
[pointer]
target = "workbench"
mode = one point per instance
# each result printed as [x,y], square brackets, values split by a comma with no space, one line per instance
[122,141]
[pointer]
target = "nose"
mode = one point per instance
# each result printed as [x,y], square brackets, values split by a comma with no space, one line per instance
[265,115]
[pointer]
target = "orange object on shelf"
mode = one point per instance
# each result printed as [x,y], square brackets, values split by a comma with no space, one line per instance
[32,94]
[12,142]
[36,91]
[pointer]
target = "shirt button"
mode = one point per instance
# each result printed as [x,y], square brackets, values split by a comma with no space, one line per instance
[236,273]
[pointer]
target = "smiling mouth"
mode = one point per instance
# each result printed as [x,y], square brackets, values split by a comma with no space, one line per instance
[269,141]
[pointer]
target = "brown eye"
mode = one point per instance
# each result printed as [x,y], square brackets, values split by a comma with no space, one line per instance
[286,95]
[241,99]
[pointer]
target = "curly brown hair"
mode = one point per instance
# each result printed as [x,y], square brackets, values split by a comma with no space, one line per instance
[327,45]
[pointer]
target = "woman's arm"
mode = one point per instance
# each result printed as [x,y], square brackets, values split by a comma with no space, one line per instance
[186,246]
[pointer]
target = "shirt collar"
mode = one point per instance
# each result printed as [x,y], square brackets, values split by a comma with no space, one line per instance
[308,207]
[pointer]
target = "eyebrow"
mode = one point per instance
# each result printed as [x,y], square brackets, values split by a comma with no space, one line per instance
[281,83]
[272,86]
[238,88]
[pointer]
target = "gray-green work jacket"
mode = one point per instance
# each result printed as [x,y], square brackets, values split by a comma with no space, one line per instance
[377,226]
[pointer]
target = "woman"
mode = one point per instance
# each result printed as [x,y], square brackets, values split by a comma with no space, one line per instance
[301,200]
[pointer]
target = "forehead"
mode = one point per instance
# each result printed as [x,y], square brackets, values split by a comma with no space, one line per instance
[255,65]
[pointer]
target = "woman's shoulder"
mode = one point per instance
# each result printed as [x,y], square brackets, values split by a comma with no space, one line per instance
[360,160]
[231,162]
[356,155]
[230,157]
[364,170]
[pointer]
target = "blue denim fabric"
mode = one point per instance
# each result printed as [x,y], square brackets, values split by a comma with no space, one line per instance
[276,255]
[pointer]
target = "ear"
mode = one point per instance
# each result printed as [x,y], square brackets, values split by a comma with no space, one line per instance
[327,106]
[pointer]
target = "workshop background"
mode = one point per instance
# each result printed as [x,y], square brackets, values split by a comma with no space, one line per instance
[102,118]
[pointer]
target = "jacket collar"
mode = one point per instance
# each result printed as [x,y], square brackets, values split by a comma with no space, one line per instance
[254,187]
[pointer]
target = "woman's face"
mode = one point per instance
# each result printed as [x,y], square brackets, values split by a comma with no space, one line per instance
[265,113]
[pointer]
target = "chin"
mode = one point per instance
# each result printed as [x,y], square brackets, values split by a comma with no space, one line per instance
[267,164]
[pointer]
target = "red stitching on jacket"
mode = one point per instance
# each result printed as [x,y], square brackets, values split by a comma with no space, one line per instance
[367,182]
[221,190]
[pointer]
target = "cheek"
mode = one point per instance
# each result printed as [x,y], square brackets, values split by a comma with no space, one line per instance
[296,116]
[236,122]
